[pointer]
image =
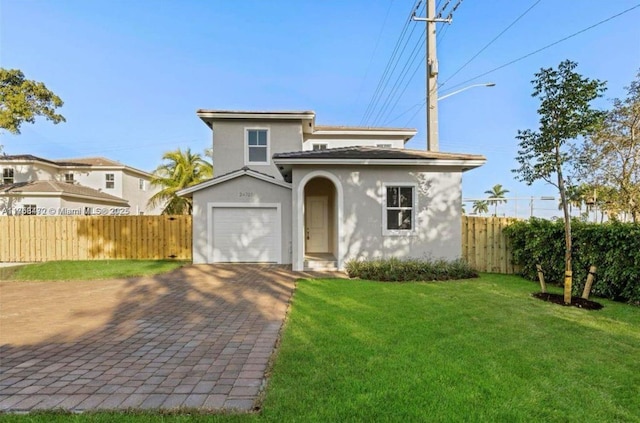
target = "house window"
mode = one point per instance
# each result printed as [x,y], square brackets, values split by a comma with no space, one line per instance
[68,178]
[110,181]
[7,176]
[257,142]
[384,145]
[29,210]
[399,209]
[319,147]
[142,184]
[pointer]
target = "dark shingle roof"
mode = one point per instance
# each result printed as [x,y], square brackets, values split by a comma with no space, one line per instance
[89,161]
[27,157]
[31,157]
[369,153]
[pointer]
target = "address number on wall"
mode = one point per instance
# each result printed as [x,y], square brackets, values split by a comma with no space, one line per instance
[246,194]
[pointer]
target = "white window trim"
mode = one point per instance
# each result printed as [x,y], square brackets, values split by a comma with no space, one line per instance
[246,145]
[326,145]
[414,208]
[5,176]
[106,181]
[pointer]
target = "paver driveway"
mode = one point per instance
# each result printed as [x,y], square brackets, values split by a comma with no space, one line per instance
[200,336]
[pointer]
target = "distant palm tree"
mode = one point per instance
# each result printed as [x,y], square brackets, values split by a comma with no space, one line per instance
[575,197]
[480,206]
[181,169]
[496,196]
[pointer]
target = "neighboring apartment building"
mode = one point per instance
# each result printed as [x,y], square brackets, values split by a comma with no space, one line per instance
[286,190]
[82,186]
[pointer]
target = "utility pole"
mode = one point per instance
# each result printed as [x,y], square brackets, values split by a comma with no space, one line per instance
[432,71]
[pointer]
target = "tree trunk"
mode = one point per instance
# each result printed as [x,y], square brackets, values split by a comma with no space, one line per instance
[568,274]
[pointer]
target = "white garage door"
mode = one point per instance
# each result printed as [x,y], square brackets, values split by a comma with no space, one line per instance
[246,234]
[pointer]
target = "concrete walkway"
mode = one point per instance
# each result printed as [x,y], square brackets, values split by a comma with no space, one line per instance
[200,336]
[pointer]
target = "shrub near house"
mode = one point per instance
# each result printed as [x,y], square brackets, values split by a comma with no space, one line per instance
[395,270]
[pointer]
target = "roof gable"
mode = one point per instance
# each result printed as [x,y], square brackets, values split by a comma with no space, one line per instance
[245,171]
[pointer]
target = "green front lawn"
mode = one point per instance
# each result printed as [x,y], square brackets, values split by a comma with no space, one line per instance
[474,350]
[93,269]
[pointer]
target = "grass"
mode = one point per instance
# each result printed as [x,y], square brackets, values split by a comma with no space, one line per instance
[90,270]
[476,350]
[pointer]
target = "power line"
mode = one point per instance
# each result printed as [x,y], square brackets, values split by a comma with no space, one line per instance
[422,103]
[547,46]
[374,99]
[395,94]
[391,73]
[391,69]
[492,41]
[415,71]
[375,49]
[401,78]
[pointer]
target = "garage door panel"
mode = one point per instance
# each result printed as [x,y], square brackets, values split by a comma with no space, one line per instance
[242,234]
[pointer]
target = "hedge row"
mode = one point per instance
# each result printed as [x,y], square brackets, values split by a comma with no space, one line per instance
[613,247]
[396,270]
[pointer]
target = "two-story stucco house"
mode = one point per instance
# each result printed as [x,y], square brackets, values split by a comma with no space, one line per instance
[83,186]
[286,190]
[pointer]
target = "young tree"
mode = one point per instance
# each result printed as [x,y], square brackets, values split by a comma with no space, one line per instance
[21,100]
[181,169]
[480,206]
[565,114]
[496,196]
[611,156]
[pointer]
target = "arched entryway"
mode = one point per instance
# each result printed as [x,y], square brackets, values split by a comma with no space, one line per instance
[319,221]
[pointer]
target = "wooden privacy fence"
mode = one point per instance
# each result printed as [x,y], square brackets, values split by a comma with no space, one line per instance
[485,246]
[44,238]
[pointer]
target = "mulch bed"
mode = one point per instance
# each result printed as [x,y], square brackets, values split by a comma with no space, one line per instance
[575,301]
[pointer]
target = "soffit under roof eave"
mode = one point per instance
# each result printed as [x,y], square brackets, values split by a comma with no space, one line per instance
[221,115]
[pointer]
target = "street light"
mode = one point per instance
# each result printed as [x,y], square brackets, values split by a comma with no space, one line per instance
[486,84]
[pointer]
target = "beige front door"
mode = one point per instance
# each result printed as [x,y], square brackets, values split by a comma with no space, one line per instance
[317,224]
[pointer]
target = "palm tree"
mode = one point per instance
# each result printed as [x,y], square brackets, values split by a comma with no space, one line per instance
[575,197]
[480,206]
[496,196]
[180,169]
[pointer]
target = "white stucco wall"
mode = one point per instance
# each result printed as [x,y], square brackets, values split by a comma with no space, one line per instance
[28,172]
[229,144]
[96,179]
[10,205]
[56,205]
[243,189]
[438,214]
[137,198]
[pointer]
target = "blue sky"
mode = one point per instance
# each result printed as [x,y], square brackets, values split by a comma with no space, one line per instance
[133,73]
